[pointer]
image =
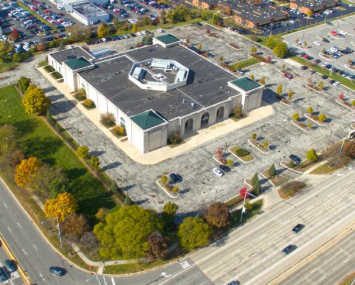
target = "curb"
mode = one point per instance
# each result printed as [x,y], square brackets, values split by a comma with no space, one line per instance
[292,122]
[229,150]
[157,182]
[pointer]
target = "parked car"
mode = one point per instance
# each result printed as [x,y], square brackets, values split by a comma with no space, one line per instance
[295,158]
[234,283]
[304,67]
[288,249]
[10,265]
[296,229]
[57,270]
[224,168]
[218,172]
[176,178]
[336,83]
[3,276]
[329,23]
[288,76]
[317,43]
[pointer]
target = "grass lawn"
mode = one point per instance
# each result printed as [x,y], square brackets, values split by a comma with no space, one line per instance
[132,267]
[56,75]
[43,63]
[276,180]
[37,139]
[49,68]
[348,279]
[291,189]
[245,158]
[305,165]
[245,63]
[323,71]
[235,216]
[5,66]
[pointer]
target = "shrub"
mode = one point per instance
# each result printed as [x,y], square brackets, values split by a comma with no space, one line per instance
[295,116]
[242,152]
[119,131]
[310,110]
[238,112]
[175,138]
[291,164]
[253,136]
[108,120]
[230,162]
[175,189]
[88,103]
[322,117]
[82,151]
[312,155]
[164,179]
[272,170]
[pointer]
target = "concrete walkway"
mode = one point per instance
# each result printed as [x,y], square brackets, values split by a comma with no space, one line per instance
[164,153]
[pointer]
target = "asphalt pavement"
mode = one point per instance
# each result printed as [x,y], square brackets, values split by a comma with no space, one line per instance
[13,278]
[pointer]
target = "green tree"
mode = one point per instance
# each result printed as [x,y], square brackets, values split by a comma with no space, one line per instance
[199,46]
[238,112]
[23,83]
[221,59]
[279,89]
[82,151]
[101,214]
[34,100]
[280,50]
[104,30]
[322,117]
[353,103]
[58,185]
[79,33]
[272,170]
[253,50]
[262,80]
[230,162]
[17,57]
[5,52]
[95,162]
[15,34]
[272,42]
[320,85]
[127,201]
[134,28]
[291,164]
[295,116]
[124,234]
[217,215]
[255,183]
[312,155]
[252,77]
[310,110]
[170,208]
[290,95]
[194,232]
[253,136]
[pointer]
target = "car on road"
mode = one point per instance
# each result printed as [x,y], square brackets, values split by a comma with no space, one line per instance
[295,158]
[3,276]
[57,270]
[329,23]
[288,76]
[224,168]
[218,172]
[288,249]
[176,178]
[10,265]
[296,229]
[234,283]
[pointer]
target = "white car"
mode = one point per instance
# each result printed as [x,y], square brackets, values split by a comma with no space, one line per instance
[4,37]
[218,172]
[317,43]
[60,7]
[160,31]
[336,83]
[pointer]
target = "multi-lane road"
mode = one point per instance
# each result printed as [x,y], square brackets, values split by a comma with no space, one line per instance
[250,254]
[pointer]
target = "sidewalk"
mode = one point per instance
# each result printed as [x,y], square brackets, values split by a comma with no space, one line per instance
[164,153]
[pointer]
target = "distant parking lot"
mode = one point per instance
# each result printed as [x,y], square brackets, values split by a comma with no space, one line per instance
[320,39]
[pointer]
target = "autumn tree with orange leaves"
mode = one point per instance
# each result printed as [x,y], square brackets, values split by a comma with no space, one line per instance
[61,206]
[26,171]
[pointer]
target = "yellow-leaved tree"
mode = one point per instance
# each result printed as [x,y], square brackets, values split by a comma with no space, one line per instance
[61,206]
[34,100]
[26,171]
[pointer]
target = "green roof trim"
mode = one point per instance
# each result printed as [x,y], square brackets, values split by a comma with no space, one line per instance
[77,63]
[147,120]
[245,83]
[168,39]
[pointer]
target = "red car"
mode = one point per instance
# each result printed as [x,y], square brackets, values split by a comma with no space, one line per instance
[288,76]
[334,33]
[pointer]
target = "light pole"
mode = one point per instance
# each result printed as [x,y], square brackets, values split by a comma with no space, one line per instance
[58,227]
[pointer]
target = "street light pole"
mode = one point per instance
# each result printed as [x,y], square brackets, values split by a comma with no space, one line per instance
[58,227]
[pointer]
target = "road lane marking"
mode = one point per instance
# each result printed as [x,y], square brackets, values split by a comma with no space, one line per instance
[24,252]
[41,276]
[322,278]
[346,260]
[35,247]
[9,229]
[113,281]
[19,225]
[339,252]
[257,228]
[5,205]
[98,280]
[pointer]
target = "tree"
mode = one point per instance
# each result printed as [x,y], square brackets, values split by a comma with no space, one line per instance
[88,241]
[290,95]
[252,77]
[74,226]
[61,46]
[291,164]
[199,46]
[58,185]
[230,162]
[164,179]
[61,206]
[353,103]
[268,59]
[95,162]
[280,50]
[312,155]
[82,151]
[134,28]
[208,31]
[309,125]
[157,246]
[8,141]
[243,192]
[266,144]
[283,66]
[320,85]
[253,50]
[14,34]
[168,215]
[322,117]
[34,100]
[175,189]
[272,42]
[221,59]
[217,215]
[147,40]
[262,80]
[103,31]
[272,170]
[219,154]
[297,40]
[310,110]
[255,183]
[253,136]
[309,13]
[124,234]
[194,232]
[79,33]
[23,83]
[188,40]
[101,214]
[17,57]
[170,208]
[127,201]
[26,171]
[238,112]
[5,52]
[295,116]
[279,89]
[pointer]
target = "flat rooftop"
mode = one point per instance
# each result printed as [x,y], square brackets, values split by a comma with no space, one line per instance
[88,9]
[314,4]
[207,83]
[70,54]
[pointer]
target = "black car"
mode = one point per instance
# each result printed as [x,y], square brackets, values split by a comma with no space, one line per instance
[234,283]
[57,270]
[296,229]
[331,81]
[288,249]
[295,158]
[133,35]
[326,40]
[10,264]
[324,77]
[176,178]
[313,71]
[3,276]
[224,168]
[329,23]
[304,67]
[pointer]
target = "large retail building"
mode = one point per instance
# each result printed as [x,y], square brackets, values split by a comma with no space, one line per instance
[155,91]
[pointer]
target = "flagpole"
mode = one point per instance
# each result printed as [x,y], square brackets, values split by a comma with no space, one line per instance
[243,209]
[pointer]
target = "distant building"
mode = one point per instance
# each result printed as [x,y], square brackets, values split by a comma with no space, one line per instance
[312,5]
[158,90]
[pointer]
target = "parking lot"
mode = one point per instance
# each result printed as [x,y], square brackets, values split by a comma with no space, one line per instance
[315,43]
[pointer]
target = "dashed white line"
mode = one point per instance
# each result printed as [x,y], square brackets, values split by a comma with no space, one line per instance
[24,252]
[322,278]
[35,247]
[5,205]
[41,276]
[346,260]
[19,225]
[113,281]
[9,229]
